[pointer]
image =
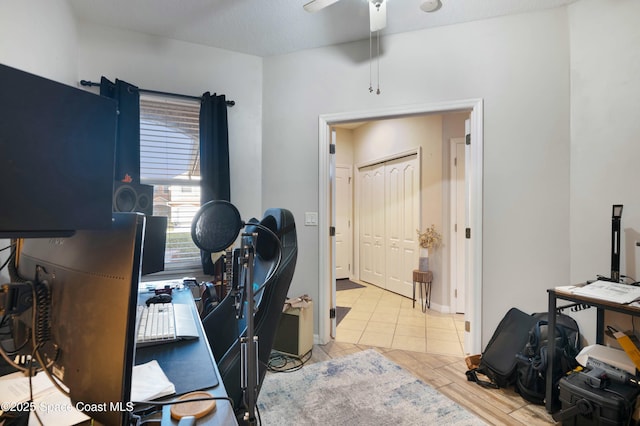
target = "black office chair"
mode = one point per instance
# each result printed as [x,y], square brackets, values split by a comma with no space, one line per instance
[221,326]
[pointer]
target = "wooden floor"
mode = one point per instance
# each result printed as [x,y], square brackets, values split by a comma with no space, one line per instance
[447,375]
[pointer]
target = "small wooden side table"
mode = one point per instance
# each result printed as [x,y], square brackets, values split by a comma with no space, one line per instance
[423,278]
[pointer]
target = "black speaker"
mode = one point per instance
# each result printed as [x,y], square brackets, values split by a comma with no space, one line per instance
[133,197]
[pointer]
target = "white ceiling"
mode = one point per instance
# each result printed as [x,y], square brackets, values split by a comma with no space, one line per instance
[273,27]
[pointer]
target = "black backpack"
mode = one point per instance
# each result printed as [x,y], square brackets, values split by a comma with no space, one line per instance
[498,361]
[532,359]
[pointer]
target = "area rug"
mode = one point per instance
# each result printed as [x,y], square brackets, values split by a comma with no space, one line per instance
[360,389]
[346,284]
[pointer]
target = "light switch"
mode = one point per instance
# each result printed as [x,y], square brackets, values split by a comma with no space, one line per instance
[311,218]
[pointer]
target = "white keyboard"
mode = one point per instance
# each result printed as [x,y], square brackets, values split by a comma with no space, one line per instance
[164,323]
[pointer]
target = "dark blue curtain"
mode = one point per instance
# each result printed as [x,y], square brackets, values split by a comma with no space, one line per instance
[214,157]
[127,164]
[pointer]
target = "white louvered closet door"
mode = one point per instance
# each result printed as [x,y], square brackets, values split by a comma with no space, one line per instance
[389,217]
[402,189]
[372,224]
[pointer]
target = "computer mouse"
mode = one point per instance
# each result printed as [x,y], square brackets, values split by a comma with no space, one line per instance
[159,298]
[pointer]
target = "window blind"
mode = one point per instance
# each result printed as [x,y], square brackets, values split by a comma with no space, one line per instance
[170,161]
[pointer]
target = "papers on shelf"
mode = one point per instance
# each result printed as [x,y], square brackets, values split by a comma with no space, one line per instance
[53,407]
[148,381]
[609,291]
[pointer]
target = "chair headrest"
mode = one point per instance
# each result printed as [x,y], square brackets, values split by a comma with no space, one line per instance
[280,222]
[266,246]
[286,226]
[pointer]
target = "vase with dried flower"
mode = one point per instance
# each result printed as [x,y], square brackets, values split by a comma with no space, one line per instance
[429,239]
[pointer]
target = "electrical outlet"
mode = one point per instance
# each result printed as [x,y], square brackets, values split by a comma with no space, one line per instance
[311,218]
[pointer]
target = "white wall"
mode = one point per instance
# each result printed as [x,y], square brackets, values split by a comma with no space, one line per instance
[42,36]
[605,146]
[605,129]
[186,68]
[519,65]
[38,36]
[344,146]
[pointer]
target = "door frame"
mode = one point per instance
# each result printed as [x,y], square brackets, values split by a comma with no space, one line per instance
[326,278]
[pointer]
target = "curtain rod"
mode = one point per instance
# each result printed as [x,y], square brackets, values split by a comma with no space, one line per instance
[155,92]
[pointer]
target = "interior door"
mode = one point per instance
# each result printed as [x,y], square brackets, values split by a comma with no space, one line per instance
[343,221]
[402,198]
[371,224]
[377,213]
[366,241]
[394,212]
[389,214]
[458,209]
[332,238]
[472,309]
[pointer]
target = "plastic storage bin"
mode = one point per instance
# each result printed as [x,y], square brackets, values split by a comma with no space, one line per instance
[583,404]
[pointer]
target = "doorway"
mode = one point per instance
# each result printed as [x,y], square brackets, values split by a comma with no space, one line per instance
[474,200]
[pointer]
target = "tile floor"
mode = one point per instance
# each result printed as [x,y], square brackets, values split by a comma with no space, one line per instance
[387,320]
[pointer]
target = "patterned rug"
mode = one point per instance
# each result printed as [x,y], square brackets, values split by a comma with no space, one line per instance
[360,389]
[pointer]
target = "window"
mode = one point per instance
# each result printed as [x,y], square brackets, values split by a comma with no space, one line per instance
[170,161]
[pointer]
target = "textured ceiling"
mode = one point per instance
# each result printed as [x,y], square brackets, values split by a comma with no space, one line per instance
[273,27]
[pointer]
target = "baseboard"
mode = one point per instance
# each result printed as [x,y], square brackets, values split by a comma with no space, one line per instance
[443,309]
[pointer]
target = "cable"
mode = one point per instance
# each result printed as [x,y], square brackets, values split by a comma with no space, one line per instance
[378,62]
[259,417]
[3,354]
[41,317]
[279,362]
[12,255]
[622,277]
[184,401]
[370,66]
[31,385]
[277,264]
[8,247]
[14,351]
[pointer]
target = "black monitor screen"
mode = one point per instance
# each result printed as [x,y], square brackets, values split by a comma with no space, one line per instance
[93,282]
[57,146]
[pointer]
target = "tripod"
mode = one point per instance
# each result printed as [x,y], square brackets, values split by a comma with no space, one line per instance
[245,306]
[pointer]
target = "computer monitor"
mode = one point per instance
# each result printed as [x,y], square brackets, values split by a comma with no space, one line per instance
[57,156]
[155,243]
[93,283]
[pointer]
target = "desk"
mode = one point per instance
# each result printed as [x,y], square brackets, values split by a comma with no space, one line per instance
[600,305]
[190,365]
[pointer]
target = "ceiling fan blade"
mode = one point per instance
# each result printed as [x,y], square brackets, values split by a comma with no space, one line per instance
[377,15]
[316,5]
